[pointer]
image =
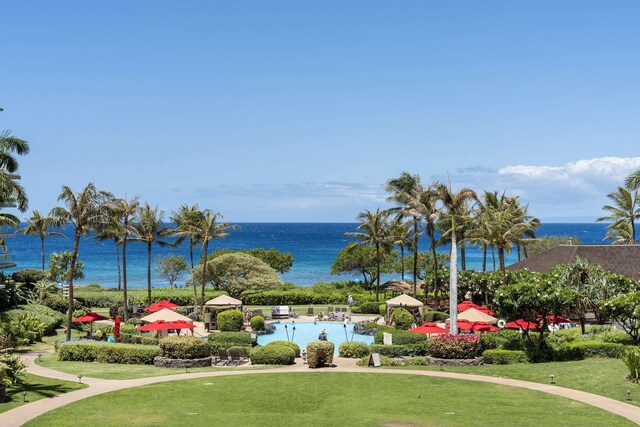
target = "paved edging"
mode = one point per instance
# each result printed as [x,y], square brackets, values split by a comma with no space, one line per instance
[22,414]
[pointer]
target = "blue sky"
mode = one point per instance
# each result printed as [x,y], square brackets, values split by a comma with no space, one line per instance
[300,111]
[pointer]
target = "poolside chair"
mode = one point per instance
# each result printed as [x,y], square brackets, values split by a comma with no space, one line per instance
[332,316]
[310,311]
[223,358]
[236,356]
[329,310]
[344,309]
[320,316]
[339,317]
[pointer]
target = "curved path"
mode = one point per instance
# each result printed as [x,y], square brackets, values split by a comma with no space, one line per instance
[22,414]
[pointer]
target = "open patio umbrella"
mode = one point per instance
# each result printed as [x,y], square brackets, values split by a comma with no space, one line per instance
[486,310]
[464,325]
[160,305]
[557,319]
[521,324]
[90,317]
[466,305]
[484,327]
[161,325]
[429,328]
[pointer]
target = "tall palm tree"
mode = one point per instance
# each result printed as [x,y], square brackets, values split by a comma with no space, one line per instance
[453,203]
[39,225]
[204,224]
[123,212]
[481,227]
[401,189]
[150,229]
[10,190]
[184,215]
[624,209]
[109,229]
[83,210]
[374,231]
[400,235]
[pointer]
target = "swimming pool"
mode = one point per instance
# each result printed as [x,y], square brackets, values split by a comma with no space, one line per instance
[309,331]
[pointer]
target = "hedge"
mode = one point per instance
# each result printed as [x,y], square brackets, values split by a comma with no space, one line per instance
[454,346]
[320,353]
[230,321]
[177,347]
[257,323]
[400,337]
[293,346]
[402,318]
[435,316]
[109,297]
[391,350]
[126,338]
[369,307]
[587,349]
[353,350]
[94,351]
[504,357]
[272,355]
[225,340]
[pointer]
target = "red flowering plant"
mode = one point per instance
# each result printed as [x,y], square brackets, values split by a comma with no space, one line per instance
[454,346]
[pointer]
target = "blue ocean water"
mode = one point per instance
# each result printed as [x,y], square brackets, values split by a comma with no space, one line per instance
[313,245]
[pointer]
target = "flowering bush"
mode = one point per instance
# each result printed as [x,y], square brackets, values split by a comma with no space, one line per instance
[454,346]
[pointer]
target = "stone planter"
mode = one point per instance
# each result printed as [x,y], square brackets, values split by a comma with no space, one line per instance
[455,362]
[164,362]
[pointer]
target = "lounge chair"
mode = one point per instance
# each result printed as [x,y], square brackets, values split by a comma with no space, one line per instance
[222,358]
[329,310]
[340,317]
[236,356]
[310,311]
[320,316]
[332,315]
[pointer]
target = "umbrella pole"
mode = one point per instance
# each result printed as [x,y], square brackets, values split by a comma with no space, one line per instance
[287,331]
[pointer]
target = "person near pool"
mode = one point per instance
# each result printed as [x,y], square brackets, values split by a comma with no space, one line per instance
[323,335]
[349,299]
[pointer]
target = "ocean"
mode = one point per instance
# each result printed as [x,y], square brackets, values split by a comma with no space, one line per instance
[314,247]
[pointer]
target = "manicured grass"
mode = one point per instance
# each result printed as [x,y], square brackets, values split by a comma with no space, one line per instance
[321,399]
[605,377]
[112,371]
[47,343]
[37,388]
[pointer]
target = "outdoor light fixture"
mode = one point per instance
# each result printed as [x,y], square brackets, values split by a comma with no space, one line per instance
[628,395]
[24,396]
[80,379]
[552,379]
[303,354]
[39,357]
[293,334]
[345,332]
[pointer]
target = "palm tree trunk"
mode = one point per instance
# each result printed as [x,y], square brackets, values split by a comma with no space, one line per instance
[204,275]
[191,253]
[72,271]
[524,249]
[402,258]
[377,271]
[463,253]
[415,255]
[436,283]
[493,255]
[124,276]
[42,244]
[501,258]
[633,231]
[118,263]
[519,259]
[149,273]
[484,258]
[453,285]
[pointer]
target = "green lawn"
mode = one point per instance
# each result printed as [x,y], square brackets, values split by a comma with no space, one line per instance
[112,371]
[605,377]
[37,388]
[321,399]
[47,343]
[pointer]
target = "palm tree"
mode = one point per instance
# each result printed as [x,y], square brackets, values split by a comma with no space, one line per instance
[10,190]
[205,226]
[620,234]
[83,210]
[400,235]
[123,211]
[149,229]
[109,229]
[374,228]
[624,209]
[453,204]
[39,225]
[183,216]
[401,189]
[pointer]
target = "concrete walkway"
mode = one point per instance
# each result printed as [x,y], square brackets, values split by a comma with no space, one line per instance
[22,414]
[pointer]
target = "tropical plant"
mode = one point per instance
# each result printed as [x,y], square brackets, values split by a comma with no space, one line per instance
[400,236]
[149,229]
[279,261]
[39,225]
[60,264]
[454,204]
[625,310]
[10,190]
[185,215]
[361,260]
[171,268]
[374,231]
[623,212]
[84,211]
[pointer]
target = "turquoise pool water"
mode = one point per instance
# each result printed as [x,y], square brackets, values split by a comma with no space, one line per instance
[309,331]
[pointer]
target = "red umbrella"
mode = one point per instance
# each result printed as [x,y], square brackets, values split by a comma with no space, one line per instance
[521,324]
[486,310]
[161,325]
[90,317]
[464,325]
[160,305]
[484,327]
[466,305]
[429,328]
[557,319]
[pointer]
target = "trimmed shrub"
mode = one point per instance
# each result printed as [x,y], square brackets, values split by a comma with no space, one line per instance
[225,340]
[230,321]
[504,340]
[257,323]
[127,354]
[378,328]
[78,351]
[177,347]
[384,361]
[382,309]
[353,350]
[504,357]
[435,316]
[293,346]
[402,318]
[454,346]
[390,350]
[369,307]
[400,337]
[29,276]
[56,302]
[272,355]
[243,351]
[320,353]
[587,349]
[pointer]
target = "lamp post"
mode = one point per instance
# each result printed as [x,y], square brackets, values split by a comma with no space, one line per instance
[628,395]
[345,332]
[552,379]
[24,396]
[79,379]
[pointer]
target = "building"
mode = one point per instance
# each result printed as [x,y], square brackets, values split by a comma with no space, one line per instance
[619,259]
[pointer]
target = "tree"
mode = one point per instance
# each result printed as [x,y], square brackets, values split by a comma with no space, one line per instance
[10,190]
[204,226]
[454,203]
[542,244]
[60,265]
[149,229]
[400,236]
[623,211]
[625,310]
[279,261]
[185,215]
[374,232]
[171,268]
[238,272]
[39,225]
[403,191]
[362,260]
[84,211]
